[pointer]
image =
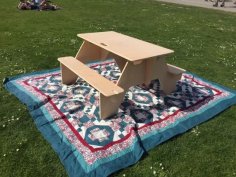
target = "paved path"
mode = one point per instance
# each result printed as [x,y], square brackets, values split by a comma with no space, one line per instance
[229,6]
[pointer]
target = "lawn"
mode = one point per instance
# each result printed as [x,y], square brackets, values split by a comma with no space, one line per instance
[204,42]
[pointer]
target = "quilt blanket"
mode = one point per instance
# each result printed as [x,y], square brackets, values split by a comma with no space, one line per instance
[68,118]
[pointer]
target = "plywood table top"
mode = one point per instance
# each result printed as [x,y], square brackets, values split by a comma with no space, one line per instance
[130,48]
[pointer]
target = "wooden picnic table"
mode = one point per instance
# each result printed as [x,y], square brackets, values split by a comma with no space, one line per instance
[139,62]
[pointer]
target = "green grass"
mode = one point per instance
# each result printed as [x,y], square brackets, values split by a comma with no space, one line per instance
[204,42]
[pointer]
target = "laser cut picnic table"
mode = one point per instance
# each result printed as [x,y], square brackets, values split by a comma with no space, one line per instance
[139,62]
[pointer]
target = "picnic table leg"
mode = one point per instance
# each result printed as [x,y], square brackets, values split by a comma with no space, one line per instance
[119,60]
[68,77]
[145,72]
[89,52]
[169,85]
[110,105]
[166,79]
[131,75]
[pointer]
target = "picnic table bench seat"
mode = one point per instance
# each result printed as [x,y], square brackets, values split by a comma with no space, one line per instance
[100,83]
[175,71]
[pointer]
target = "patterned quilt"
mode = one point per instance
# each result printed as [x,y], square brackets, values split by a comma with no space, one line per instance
[68,116]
